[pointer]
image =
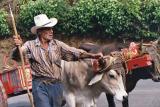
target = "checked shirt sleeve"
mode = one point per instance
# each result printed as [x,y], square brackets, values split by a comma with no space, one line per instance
[69,53]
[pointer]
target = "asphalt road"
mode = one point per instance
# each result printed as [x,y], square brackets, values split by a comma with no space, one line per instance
[146,94]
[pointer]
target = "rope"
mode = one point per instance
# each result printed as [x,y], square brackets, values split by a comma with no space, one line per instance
[111,60]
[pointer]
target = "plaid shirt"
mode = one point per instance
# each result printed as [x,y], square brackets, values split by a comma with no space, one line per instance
[47,62]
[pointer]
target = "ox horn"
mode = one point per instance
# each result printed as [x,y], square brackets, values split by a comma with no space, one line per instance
[157,41]
[141,46]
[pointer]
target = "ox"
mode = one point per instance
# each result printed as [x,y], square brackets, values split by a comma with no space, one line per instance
[82,85]
[130,79]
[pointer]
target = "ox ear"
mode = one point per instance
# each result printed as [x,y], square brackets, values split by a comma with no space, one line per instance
[158,40]
[96,79]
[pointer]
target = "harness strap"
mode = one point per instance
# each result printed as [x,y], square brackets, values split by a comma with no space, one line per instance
[95,65]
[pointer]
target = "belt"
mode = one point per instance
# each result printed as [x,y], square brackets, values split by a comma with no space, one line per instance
[46,80]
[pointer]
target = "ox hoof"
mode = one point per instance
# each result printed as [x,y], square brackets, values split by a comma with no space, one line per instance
[156,79]
[63,103]
[125,98]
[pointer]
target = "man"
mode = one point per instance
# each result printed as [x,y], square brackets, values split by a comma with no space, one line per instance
[45,54]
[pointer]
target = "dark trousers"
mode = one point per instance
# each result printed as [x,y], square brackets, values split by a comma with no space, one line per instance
[47,95]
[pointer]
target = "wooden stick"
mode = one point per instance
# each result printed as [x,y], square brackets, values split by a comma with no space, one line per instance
[22,59]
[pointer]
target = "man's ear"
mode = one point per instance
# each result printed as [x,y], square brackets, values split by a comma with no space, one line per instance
[38,32]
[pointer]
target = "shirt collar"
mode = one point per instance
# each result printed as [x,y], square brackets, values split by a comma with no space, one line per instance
[37,42]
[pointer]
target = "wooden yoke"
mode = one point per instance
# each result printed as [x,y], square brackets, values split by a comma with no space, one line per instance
[22,58]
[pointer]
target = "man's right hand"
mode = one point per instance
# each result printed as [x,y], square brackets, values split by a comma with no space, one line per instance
[17,40]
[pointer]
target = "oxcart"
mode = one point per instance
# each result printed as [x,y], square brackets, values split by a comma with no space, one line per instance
[12,82]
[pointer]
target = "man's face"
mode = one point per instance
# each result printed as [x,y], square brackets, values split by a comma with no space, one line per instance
[46,33]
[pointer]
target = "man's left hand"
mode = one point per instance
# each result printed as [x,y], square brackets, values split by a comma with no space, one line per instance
[97,56]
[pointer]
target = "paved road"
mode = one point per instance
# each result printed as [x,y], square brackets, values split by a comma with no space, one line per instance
[146,94]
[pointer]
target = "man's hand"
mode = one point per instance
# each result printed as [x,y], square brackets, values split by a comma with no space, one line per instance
[17,40]
[96,56]
[90,55]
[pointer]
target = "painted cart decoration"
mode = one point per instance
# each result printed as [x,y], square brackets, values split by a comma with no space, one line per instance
[133,59]
[139,62]
[13,80]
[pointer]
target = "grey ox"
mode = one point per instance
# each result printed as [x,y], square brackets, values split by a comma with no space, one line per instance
[84,81]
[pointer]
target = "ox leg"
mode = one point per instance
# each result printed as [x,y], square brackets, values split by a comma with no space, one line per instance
[70,99]
[79,105]
[125,102]
[110,100]
[87,103]
[93,103]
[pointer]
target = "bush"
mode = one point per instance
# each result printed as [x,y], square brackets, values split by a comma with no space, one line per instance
[78,20]
[52,8]
[109,18]
[103,17]
[4,27]
[151,18]
[117,18]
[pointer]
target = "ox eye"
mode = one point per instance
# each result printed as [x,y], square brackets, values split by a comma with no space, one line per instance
[111,76]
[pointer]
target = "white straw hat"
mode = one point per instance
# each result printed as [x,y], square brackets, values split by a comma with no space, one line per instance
[43,21]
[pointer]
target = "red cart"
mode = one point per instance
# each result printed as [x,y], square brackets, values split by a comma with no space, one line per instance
[12,83]
[13,80]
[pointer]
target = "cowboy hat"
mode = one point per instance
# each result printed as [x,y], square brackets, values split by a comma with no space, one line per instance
[42,21]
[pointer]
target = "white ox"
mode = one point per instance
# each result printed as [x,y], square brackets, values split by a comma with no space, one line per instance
[82,86]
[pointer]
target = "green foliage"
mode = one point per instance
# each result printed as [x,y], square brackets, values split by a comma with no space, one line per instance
[4,28]
[117,17]
[78,20]
[114,18]
[52,8]
[151,18]
[104,17]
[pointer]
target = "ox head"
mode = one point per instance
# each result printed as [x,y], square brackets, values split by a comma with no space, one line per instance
[153,49]
[109,77]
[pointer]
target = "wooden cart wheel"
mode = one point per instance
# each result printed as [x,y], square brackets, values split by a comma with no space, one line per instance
[3,96]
